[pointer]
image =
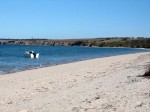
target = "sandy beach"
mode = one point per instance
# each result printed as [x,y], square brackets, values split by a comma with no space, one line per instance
[109,84]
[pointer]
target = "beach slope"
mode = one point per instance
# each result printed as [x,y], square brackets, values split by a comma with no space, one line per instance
[109,84]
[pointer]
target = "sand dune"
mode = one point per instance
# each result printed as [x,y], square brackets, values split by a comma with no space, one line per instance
[108,84]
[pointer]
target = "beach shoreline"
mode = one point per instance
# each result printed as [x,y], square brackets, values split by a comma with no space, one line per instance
[73,61]
[97,85]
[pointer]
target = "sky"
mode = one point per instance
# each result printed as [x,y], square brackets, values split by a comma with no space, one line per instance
[68,19]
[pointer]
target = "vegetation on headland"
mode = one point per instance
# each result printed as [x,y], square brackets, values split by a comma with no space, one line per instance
[139,42]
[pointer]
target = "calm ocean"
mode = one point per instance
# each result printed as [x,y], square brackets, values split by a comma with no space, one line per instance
[12,56]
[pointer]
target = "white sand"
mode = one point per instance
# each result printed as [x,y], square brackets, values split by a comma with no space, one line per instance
[96,85]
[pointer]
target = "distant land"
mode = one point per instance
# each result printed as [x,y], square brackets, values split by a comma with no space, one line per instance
[131,42]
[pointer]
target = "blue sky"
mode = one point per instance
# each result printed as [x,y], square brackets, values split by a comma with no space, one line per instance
[63,19]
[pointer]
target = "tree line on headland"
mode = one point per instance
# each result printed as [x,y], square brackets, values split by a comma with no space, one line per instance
[139,42]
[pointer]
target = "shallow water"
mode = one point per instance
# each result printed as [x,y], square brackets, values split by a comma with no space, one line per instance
[12,56]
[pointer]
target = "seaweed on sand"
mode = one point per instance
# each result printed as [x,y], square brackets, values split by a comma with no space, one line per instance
[147,73]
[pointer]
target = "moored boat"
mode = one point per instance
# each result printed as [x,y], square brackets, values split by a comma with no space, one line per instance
[31,54]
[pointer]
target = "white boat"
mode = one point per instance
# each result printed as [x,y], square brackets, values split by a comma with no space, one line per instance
[31,54]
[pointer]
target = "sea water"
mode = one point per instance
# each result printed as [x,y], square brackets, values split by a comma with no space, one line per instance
[12,56]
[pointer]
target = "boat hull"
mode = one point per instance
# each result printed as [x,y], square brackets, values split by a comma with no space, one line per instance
[31,55]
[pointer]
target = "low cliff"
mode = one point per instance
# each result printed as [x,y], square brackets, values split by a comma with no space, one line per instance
[98,42]
[72,42]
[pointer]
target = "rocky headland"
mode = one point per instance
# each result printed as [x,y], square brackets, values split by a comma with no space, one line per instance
[139,42]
